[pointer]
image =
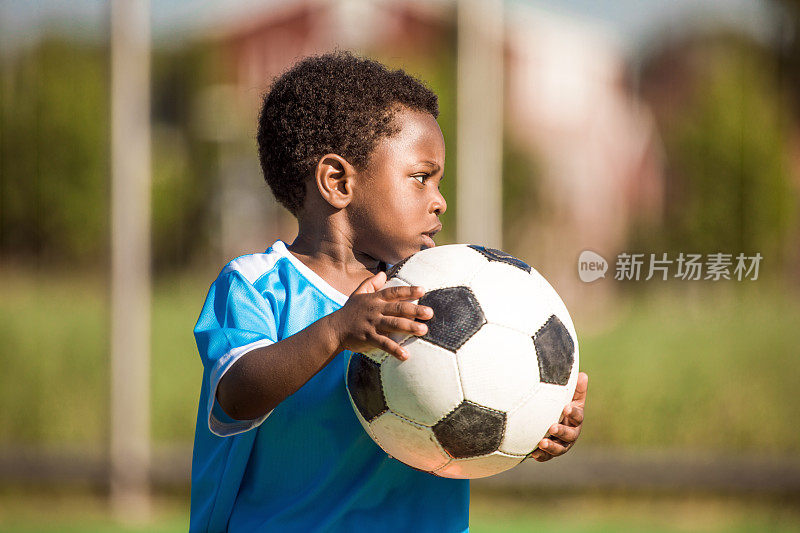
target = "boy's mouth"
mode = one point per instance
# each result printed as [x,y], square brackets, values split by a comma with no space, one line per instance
[429,235]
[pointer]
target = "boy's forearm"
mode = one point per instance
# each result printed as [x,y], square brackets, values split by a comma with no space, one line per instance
[264,377]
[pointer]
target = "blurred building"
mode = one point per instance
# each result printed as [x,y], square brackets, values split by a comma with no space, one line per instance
[260,45]
[569,103]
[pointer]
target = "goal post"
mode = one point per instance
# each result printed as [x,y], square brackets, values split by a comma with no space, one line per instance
[130,259]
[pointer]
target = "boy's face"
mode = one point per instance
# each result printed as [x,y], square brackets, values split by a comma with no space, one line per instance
[396,207]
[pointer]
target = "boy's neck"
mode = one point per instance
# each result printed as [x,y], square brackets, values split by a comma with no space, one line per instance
[330,254]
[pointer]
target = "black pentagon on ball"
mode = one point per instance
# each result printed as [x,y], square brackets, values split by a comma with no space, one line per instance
[493,254]
[555,350]
[392,272]
[364,384]
[470,430]
[457,316]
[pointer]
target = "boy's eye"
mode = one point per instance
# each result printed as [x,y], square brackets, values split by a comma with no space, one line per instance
[421,178]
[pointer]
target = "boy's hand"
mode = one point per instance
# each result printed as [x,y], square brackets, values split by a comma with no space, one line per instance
[371,314]
[563,435]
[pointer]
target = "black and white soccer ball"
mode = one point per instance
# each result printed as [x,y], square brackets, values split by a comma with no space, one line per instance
[495,370]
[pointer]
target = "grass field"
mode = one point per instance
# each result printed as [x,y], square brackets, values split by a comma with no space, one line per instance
[711,370]
[489,513]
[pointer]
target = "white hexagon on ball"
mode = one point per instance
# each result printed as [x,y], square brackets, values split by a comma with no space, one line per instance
[427,269]
[407,442]
[527,311]
[498,367]
[424,387]
[530,422]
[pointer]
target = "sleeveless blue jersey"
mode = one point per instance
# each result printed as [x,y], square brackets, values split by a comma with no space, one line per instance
[308,465]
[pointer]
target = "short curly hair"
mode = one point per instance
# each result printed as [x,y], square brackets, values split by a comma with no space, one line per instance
[332,103]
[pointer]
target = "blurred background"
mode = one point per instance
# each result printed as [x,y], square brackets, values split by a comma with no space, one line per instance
[665,126]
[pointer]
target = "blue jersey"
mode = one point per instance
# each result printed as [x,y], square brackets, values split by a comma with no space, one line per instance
[308,465]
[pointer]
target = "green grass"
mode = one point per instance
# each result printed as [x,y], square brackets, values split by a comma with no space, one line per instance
[489,513]
[601,513]
[714,369]
[54,333]
[78,510]
[709,370]
[55,337]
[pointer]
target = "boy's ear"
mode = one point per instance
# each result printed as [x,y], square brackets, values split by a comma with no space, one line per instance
[334,178]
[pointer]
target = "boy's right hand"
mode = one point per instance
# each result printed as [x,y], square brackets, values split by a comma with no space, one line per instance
[371,313]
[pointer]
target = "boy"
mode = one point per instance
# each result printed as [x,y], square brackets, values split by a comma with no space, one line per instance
[354,151]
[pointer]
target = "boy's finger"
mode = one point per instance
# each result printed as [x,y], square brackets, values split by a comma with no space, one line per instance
[580,389]
[402,293]
[573,415]
[371,284]
[407,309]
[389,346]
[401,325]
[566,433]
[540,455]
[552,447]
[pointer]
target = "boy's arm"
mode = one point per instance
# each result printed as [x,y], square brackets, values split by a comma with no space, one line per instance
[264,377]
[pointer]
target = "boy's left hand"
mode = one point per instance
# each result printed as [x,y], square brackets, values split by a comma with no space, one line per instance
[564,434]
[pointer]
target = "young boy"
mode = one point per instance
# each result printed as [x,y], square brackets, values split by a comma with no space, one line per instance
[354,151]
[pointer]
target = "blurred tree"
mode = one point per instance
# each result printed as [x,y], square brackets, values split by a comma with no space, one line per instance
[54,152]
[523,204]
[725,133]
[54,167]
[789,48]
[184,165]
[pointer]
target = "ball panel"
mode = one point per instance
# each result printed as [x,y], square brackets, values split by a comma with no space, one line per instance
[555,350]
[557,307]
[493,254]
[410,443]
[377,356]
[498,367]
[364,385]
[442,266]
[470,430]
[530,422]
[457,316]
[526,311]
[479,466]
[360,418]
[425,387]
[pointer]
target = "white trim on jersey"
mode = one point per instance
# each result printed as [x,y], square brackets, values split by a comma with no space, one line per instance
[224,364]
[253,266]
[310,275]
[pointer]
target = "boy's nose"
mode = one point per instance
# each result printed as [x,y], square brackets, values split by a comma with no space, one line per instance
[439,204]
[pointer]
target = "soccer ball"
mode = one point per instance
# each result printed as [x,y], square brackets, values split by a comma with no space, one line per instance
[495,370]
